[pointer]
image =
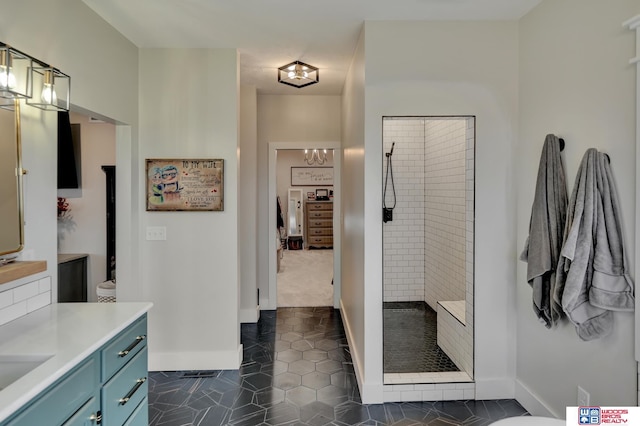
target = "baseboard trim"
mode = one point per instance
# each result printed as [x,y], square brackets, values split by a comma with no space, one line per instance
[265,305]
[532,403]
[494,388]
[204,360]
[369,394]
[250,315]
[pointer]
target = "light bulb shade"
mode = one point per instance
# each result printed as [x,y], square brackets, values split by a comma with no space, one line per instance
[49,89]
[15,68]
[298,74]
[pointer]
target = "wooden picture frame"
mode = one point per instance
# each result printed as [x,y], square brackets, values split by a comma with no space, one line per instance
[185,184]
[311,176]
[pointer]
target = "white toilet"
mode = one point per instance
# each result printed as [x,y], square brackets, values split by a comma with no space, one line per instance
[529,421]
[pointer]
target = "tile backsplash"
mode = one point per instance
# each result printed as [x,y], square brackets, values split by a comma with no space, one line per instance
[21,300]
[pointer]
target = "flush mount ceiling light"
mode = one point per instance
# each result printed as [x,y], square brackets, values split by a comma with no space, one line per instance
[298,74]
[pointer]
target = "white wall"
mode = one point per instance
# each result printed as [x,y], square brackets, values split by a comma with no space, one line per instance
[296,119]
[576,82]
[103,67]
[193,277]
[87,231]
[355,300]
[465,68]
[248,204]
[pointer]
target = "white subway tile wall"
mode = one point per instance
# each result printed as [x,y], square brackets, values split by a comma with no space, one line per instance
[445,205]
[426,246]
[469,232]
[20,301]
[403,238]
[429,392]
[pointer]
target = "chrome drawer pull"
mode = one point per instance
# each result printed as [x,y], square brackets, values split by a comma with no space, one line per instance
[131,346]
[96,418]
[139,383]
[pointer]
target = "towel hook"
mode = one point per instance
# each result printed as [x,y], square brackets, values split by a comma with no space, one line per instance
[561,144]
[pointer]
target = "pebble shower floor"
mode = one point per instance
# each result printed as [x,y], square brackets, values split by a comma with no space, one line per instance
[297,370]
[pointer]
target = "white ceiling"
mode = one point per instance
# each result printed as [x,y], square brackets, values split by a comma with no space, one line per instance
[272,33]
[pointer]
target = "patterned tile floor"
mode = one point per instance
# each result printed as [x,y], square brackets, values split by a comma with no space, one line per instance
[410,339]
[297,370]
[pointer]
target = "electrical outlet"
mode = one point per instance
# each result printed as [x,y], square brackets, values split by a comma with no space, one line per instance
[156,233]
[583,397]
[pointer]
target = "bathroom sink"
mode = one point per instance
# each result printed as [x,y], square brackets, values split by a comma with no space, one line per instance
[13,367]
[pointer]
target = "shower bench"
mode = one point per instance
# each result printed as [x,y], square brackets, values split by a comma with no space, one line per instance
[451,331]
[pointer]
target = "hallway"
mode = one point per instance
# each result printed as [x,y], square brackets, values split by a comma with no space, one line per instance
[297,370]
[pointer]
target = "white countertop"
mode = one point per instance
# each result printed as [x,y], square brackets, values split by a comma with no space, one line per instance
[69,332]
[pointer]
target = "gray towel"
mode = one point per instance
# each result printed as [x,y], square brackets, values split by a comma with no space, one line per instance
[542,248]
[591,280]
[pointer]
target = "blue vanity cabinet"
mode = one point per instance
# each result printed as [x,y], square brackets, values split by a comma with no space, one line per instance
[108,388]
[88,414]
[124,374]
[58,404]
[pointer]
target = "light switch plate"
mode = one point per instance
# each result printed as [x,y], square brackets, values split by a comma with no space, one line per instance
[156,233]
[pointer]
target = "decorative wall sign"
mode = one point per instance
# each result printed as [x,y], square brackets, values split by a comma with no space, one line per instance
[311,176]
[185,185]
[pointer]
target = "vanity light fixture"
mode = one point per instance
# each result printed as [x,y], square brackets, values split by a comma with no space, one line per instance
[314,157]
[25,77]
[298,74]
[15,67]
[49,89]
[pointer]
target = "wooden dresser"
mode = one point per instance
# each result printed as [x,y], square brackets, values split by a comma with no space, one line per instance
[319,224]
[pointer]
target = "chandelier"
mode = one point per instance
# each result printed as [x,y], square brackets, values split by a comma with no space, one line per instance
[315,157]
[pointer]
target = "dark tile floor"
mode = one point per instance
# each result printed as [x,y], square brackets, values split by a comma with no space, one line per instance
[297,370]
[410,339]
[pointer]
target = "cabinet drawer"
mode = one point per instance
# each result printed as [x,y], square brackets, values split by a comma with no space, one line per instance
[320,241]
[64,398]
[123,348]
[87,415]
[126,389]
[320,214]
[321,223]
[320,231]
[319,206]
[140,416]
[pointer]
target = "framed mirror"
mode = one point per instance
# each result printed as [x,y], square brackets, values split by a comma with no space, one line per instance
[294,213]
[11,202]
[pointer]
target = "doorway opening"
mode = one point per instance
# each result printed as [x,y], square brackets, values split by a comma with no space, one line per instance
[304,181]
[304,268]
[428,242]
[86,209]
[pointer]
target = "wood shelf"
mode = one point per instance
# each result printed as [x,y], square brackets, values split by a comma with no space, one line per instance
[16,270]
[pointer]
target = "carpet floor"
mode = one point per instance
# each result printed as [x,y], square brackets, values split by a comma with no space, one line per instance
[305,278]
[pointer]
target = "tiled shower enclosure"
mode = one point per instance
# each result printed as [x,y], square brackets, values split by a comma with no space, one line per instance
[428,246]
